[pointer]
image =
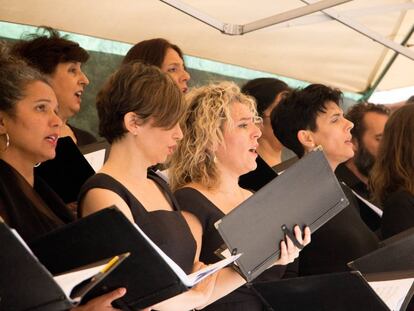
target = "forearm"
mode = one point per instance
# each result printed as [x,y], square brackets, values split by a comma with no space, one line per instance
[186,301]
[227,281]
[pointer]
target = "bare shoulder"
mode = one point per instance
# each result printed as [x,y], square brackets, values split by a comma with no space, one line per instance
[97,199]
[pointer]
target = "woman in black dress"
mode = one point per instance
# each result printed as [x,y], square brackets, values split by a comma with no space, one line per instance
[221,131]
[29,130]
[392,178]
[305,119]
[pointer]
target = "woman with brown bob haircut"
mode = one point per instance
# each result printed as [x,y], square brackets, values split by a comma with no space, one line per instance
[139,110]
[164,55]
[392,177]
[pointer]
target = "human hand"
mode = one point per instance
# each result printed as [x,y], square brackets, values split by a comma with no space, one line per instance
[288,251]
[102,302]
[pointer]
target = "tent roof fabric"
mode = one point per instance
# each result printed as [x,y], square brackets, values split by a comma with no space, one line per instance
[311,48]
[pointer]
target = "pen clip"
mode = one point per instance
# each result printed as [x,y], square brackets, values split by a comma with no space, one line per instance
[291,236]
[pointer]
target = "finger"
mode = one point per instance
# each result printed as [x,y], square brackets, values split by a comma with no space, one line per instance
[111,296]
[291,248]
[307,236]
[298,234]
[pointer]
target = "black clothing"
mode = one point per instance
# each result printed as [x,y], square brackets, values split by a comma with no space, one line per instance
[167,229]
[398,213]
[279,168]
[207,213]
[254,180]
[342,239]
[32,211]
[344,174]
[82,137]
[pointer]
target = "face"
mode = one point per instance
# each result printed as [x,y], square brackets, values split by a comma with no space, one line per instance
[238,153]
[174,66]
[35,126]
[333,133]
[158,143]
[374,129]
[68,81]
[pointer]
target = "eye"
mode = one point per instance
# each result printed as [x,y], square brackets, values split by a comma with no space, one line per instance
[172,70]
[40,107]
[243,125]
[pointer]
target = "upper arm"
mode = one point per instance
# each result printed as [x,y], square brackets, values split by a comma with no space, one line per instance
[97,199]
[197,231]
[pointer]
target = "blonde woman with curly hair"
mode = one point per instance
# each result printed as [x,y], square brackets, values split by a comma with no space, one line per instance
[220,133]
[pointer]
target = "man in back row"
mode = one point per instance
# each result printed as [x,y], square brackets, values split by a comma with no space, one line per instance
[369,122]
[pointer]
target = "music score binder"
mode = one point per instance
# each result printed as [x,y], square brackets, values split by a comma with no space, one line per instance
[146,275]
[344,291]
[67,172]
[308,193]
[395,255]
[25,284]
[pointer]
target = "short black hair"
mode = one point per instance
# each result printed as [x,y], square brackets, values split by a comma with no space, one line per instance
[298,111]
[264,91]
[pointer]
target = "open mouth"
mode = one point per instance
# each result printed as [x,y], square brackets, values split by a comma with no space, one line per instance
[52,139]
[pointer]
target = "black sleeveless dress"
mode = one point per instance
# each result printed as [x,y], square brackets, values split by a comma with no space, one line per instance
[168,229]
[207,213]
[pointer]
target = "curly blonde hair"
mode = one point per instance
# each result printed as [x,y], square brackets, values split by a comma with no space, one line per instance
[208,107]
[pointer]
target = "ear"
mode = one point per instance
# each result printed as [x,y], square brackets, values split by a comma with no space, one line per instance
[307,140]
[132,122]
[3,129]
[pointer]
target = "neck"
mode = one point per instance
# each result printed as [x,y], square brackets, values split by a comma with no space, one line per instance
[269,151]
[21,165]
[352,167]
[126,161]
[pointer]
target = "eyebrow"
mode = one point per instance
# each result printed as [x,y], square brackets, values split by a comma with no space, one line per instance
[245,119]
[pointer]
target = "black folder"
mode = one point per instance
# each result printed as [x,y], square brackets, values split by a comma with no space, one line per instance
[25,284]
[345,291]
[144,273]
[395,255]
[307,193]
[67,172]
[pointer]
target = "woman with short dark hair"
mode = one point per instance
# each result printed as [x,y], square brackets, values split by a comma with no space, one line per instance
[60,60]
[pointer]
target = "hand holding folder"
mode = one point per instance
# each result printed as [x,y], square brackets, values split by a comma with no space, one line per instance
[25,284]
[149,275]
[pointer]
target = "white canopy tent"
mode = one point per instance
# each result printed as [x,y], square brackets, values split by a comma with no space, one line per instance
[323,47]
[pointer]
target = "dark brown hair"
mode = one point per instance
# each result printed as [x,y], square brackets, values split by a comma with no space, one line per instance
[151,52]
[394,168]
[142,89]
[44,52]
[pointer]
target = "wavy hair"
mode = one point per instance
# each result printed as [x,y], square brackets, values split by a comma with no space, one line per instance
[394,168]
[208,108]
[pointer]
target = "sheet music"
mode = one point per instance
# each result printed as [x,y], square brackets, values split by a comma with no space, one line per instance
[69,280]
[191,279]
[96,159]
[392,292]
[376,209]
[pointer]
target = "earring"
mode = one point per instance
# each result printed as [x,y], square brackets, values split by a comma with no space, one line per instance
[215,160]
[7,142]
[37,164]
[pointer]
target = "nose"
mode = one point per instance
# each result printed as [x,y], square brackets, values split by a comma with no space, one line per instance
[178,133]
[349,125]
[256,131]
[83,79]
[185,77]
[55,120]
